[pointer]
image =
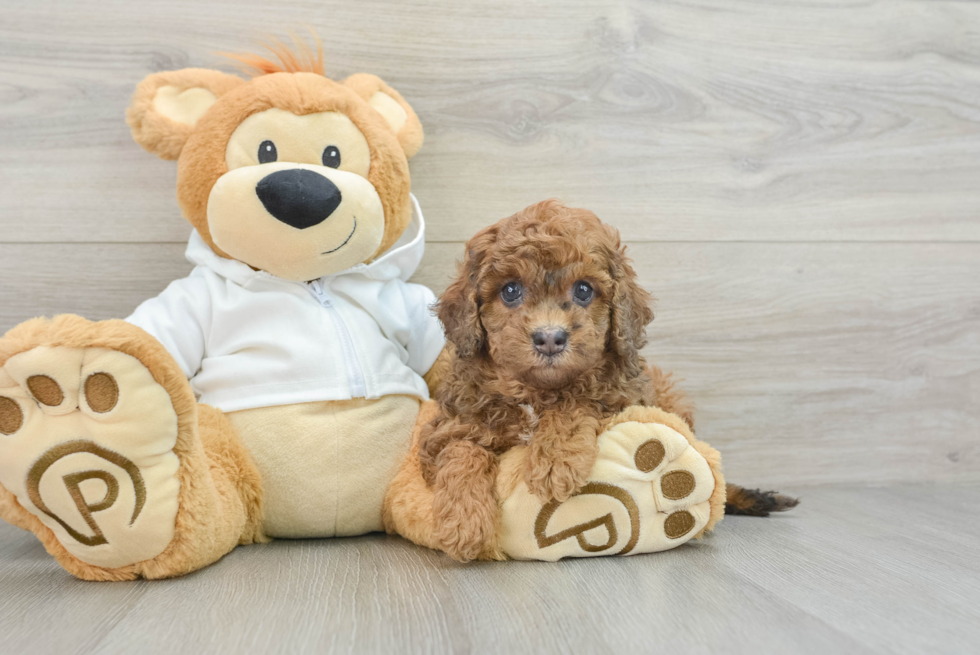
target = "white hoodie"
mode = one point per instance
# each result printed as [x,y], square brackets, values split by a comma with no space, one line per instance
[248,339]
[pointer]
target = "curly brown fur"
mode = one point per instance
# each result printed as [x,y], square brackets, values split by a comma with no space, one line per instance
[465,510]
[664,394]
[501,390]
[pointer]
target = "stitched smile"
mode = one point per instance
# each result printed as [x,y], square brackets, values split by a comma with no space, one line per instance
[345,240]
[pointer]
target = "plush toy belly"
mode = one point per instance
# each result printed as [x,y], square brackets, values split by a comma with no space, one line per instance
[326,465]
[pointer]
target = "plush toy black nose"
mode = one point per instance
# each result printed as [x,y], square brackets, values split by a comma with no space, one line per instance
[549,341]
[298,197]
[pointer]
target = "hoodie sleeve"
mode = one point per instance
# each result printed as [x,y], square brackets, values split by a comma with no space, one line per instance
[427,339]
[404,312]
[179,319]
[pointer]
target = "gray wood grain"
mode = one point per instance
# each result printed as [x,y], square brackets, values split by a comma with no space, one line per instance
[852,570]
[809,362]
[707,120]
[798,183]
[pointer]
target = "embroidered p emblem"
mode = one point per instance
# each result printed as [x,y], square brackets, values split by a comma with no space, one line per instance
[578,531]
[74,480]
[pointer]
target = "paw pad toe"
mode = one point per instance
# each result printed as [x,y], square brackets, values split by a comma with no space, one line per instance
[11,416]
[45,390]
[101,392]
[678,524]
[649,455]
[677,484]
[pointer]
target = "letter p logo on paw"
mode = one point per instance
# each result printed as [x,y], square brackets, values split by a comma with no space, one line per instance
[73,483]
[87,442]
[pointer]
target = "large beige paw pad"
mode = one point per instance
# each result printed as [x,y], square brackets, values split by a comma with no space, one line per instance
[86,445]
[648,492]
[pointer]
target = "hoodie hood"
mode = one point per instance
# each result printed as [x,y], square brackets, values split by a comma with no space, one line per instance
[398,262]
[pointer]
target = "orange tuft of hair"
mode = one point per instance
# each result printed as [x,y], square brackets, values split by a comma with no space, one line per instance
[300,58]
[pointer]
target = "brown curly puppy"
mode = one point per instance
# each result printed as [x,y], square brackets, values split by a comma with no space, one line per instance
[547,321]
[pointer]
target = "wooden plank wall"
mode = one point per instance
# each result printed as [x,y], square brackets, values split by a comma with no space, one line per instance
[798,182]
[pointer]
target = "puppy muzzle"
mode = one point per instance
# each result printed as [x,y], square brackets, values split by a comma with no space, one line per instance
[549,341]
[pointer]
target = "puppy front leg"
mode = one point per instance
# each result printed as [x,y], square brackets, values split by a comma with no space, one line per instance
[436,436]
[561,455]
[464,501]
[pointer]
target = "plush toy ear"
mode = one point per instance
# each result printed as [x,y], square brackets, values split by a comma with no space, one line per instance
[389,103]
[166,107]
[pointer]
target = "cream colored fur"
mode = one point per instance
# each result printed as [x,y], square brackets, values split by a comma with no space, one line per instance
[239,223]
[142,427]
[220,497]
[390,110]
[183,105]
[628,502]
[326,466]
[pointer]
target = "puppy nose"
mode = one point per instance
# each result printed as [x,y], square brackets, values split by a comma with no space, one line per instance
[549,341]
[298,197]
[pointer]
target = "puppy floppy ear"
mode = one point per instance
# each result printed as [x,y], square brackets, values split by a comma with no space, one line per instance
[459,305]
[389,103]
[166,107]
[630,311]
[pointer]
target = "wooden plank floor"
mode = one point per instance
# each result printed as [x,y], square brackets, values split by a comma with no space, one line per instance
[854,570]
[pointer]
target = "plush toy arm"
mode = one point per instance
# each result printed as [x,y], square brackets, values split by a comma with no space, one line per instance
[403,313]
[179,318]
[423,339]
[427,341]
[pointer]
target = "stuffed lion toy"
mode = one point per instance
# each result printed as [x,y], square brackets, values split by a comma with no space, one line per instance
[276,392]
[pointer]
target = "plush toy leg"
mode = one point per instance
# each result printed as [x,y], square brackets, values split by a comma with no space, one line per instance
[108,459]
[654,487]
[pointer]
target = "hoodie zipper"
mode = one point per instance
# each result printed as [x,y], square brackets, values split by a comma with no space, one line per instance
[355,375]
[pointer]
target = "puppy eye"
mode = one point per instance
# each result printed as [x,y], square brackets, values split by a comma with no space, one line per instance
[267,152]
[331,156]
[582,293]
[511,293]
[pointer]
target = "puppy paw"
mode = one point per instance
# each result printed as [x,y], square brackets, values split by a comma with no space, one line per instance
[463,531]
[463,548]
[553,479]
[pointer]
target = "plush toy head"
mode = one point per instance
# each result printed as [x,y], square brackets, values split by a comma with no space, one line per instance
[290,172]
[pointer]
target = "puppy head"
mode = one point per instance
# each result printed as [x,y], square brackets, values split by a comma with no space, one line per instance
[547,295]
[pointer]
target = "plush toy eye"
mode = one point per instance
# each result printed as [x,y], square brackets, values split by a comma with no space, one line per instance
[267,152]
[511,293]
[331,156]
[582,293]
